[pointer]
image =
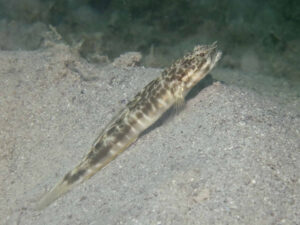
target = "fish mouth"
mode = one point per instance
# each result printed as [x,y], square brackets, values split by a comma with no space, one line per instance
[213,53]
[209,53]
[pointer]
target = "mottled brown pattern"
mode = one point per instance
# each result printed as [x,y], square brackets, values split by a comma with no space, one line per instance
[147,107]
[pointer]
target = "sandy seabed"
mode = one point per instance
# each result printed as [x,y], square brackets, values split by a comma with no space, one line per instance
[231,156]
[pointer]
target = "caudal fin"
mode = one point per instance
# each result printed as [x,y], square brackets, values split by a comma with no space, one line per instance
[60,189]
[76,176]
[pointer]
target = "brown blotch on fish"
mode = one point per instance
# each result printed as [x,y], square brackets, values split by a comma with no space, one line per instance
[74,177]
[154,101]
[168,79]
[132,121]
[126,129]
[98,145]
[147,108]
[96,156]
[111,131]
[120,135]
[139,115]
[162,92]
[187,63]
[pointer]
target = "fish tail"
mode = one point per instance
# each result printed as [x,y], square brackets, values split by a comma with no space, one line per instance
[76,176]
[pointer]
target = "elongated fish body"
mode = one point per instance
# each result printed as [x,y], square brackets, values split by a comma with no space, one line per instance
[147,107]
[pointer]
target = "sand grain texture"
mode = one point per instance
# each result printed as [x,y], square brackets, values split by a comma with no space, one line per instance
[230,157]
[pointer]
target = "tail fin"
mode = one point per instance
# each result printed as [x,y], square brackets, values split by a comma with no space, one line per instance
[76,176]
[60,189]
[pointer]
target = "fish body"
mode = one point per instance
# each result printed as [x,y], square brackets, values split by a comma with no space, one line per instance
[147,107]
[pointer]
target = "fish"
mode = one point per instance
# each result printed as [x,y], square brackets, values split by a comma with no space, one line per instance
[169,89]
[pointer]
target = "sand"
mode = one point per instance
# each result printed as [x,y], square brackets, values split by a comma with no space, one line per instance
[230,156]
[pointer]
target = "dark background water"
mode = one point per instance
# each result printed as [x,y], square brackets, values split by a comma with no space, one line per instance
[263,34]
